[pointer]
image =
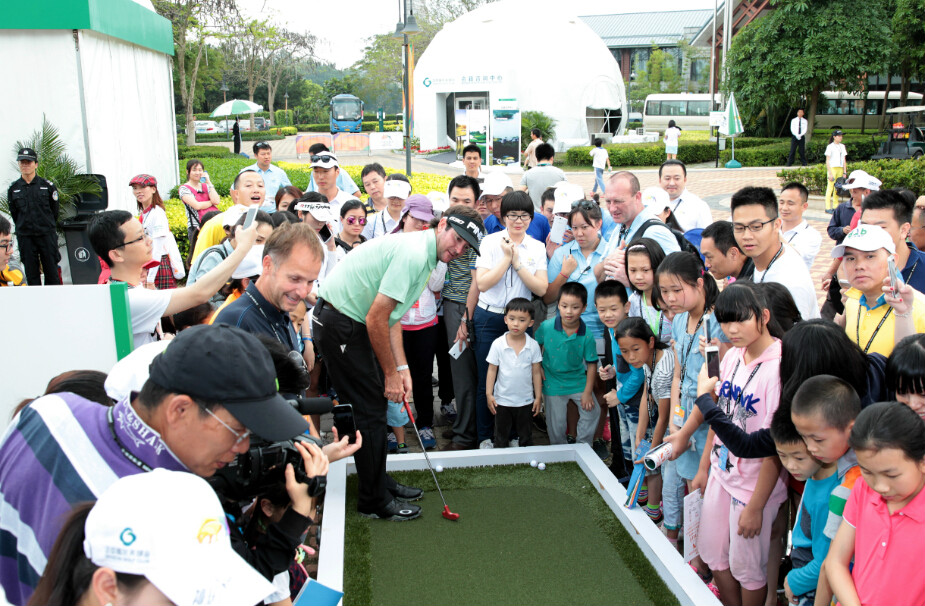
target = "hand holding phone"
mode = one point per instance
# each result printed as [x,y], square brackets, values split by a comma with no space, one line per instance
[343,421]
[251,214]
[712,355]
[895,280]
[325,233]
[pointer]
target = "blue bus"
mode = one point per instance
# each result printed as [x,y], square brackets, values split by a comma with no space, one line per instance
[346,114]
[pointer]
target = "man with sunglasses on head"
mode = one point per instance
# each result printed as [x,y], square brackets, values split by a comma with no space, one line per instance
[325,171]
[356,327]
[119,239]
[273,176]
[756,226]
[195,413]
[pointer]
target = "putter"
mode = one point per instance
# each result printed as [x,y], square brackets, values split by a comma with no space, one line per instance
[449,515]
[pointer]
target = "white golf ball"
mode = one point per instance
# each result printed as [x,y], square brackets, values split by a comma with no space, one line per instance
[438,468]
[541,466]
[533,463]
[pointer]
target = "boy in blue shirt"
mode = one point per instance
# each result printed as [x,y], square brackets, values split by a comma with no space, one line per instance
[569,365]
[623,398]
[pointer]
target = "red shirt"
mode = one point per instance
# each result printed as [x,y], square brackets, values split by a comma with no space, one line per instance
[888,548]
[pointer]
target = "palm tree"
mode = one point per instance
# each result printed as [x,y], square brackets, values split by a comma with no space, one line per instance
[55,165]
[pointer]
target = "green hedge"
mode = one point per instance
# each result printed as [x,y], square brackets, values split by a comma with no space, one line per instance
[368,127]
[653,154]
[181,118]
[893,174]
[284,117]
[260,135]
[186,152]
[859,147]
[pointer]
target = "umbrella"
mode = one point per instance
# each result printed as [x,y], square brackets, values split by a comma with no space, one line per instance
[732,127]
[235,107]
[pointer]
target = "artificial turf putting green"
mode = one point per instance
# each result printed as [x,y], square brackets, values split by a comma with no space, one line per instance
[524,536]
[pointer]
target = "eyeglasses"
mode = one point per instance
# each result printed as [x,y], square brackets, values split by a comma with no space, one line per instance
[358,220]
[139,239]
[6,245]
[518,217]
[240,437]
[752,227]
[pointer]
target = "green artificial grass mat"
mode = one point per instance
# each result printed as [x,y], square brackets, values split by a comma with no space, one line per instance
[524,536]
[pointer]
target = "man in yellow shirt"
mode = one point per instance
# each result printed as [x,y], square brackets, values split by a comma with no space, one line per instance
[248,189]
[9,276]
[874,318]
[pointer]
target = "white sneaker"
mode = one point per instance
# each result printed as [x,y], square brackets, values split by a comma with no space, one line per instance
[486,444]
[515,443]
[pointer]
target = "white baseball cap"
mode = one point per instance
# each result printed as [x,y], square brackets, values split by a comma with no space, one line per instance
[567,194]
[169,527]
[231,216]
[439,200]
[396,188]
[319,210]
[867,238]
[324,159]
[495,183]
[251,265]
[130,373]
[859,178]
[655,198]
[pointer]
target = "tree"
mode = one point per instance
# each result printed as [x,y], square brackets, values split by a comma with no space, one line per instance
[802,48]
[286,50]
[312,106]
[908,25]
[190,20]
[246,49]
[659,76]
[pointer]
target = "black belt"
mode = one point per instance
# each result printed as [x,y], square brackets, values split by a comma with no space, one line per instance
[325,305]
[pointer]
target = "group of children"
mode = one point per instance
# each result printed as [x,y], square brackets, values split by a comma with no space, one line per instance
[734,436]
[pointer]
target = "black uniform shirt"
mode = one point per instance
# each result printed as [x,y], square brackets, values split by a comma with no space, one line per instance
[33,206]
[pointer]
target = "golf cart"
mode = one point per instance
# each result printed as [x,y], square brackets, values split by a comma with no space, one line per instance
[904,139]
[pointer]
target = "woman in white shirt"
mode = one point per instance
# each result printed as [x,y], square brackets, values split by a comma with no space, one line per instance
[163,246]
[396,191]
[511,264]
[671,140]
[836,165]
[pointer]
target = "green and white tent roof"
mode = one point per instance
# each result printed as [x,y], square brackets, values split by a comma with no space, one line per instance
[131,20]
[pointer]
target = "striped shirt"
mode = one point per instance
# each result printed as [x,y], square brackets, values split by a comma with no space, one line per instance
[57,452]
[459,277]
[848,473]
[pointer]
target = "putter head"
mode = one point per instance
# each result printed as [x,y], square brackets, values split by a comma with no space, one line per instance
[449,515]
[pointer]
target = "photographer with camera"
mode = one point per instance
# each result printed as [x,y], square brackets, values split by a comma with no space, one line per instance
[195,413]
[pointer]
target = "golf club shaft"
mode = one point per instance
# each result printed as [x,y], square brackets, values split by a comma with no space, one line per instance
[429,466]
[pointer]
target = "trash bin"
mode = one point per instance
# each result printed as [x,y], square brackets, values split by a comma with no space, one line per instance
[85,265]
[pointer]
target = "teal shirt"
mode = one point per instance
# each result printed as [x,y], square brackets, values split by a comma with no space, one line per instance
[397,266]
[565,357]
[583,273]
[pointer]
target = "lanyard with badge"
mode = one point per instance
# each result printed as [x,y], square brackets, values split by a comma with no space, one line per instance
[723,454]
[657,329]
[679,412]
[773,259]
[857,327]
[272,326]
[651,404]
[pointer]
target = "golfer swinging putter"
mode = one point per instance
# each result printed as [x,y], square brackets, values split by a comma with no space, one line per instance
[356,328]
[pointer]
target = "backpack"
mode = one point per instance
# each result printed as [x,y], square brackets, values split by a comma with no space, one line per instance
[685,244]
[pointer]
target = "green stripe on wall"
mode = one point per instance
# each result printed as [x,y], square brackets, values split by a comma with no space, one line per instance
[123,19]
[121,319]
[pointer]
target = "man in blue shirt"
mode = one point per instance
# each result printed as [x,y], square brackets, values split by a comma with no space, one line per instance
[273,176]
[624,201]
[890,210]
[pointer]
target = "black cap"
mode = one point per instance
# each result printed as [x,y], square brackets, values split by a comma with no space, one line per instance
[467,229]
[27,153]
[837,132]
[230,366]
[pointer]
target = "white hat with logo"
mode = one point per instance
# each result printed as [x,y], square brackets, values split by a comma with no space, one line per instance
[867,238]
[169,527]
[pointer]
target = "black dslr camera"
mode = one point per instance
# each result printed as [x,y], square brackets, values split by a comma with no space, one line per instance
[263,466]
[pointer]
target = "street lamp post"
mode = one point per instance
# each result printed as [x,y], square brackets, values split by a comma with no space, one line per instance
[286,97]
[408,25]
[224,90]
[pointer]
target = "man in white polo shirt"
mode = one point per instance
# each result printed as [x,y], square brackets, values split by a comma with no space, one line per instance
[795,230]
[756,226]
[325,170]
[689,210]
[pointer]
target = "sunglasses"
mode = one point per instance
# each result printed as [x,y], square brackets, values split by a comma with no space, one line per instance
[262,145]
[356,220]
[324,158]
[583,204]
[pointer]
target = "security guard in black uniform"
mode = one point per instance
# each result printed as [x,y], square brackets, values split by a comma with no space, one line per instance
[34,208]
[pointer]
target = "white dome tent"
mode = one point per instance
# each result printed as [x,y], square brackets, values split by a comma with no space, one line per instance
[532,51]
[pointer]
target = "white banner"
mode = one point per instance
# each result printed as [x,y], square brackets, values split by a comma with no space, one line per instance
[385,140]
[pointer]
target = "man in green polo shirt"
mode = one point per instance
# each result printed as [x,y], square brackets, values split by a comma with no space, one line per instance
[355,326]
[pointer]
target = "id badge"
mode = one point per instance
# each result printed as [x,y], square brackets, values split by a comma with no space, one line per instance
[678,416]
[723,457]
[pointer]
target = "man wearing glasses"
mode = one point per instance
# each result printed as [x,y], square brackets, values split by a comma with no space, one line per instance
[195,413]
[273,176]
[119,239]
[9,276]
[756,226]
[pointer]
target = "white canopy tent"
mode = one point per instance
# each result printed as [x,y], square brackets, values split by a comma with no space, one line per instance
[100,71]
[529,50]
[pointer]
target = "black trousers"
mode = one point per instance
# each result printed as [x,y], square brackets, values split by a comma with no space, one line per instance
[44,249]
[797,144]
[419,349]
[356,375]
[442,352]
[519,417]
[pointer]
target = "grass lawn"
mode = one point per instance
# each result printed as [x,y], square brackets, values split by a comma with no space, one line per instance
[524,536]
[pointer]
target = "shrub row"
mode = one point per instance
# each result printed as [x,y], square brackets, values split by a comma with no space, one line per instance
[653,154]
[367,127]
[893,174]
[859,147]
[186,152]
